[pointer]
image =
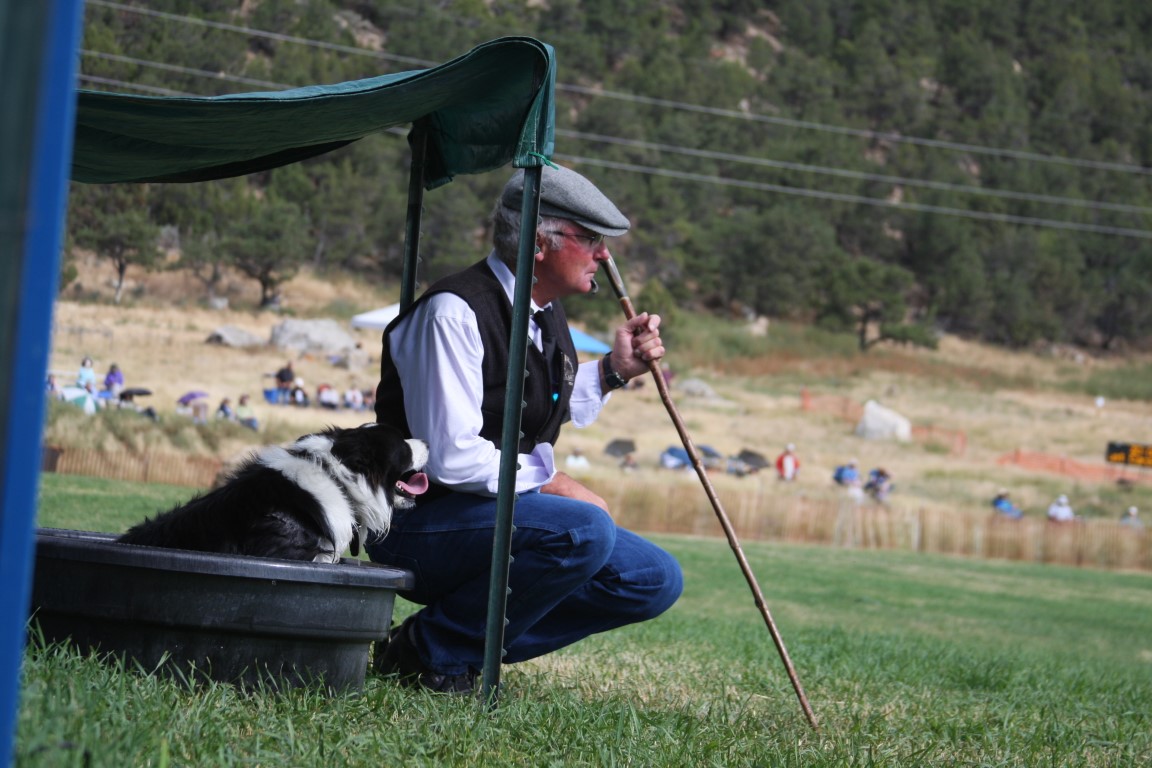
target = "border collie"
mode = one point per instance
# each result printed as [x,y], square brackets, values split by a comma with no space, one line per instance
[303,501]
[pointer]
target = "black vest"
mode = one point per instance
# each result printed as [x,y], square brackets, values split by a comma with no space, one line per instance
[542,416]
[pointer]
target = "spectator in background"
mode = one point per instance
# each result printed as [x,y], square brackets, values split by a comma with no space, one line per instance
[1060,511]
[848,476]
[354,398]
[327,397]
[53,387]
[246,415]
[1131,518]
[113,381]
[86,376]
[1003,505]
[297,395]
[285,378]
[577,460]
[788,464]
[224,410]
[128,401]
[879,484]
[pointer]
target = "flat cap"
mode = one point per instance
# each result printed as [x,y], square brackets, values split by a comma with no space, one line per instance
[566,194]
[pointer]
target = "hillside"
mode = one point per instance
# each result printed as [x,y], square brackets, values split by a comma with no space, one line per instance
[978,168]
[1000,401]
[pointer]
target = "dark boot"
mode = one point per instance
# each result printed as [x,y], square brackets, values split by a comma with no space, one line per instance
[399,657]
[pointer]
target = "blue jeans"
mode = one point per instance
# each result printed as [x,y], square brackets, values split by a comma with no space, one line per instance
[574,573]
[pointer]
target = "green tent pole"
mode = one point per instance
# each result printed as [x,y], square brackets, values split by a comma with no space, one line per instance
[510,440]
[418,141]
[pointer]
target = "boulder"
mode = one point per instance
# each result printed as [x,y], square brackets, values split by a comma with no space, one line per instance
[230,336]
[696,388]
[323,336]
[880,423]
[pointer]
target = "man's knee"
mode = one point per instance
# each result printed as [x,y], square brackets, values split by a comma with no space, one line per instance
[593,535]
[650,576]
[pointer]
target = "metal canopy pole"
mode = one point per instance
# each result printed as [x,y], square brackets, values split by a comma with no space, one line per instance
[418,141]
[510,440]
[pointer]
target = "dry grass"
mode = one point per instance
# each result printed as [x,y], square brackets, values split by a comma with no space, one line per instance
[1002,401]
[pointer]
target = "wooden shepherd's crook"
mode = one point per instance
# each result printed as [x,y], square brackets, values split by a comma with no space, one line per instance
[662,385]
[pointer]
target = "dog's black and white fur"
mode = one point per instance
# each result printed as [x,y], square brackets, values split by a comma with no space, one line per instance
[303,501]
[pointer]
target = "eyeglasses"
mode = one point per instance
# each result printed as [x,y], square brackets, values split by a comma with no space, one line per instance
[592,242]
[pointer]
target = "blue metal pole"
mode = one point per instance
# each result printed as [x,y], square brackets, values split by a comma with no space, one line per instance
[54,26]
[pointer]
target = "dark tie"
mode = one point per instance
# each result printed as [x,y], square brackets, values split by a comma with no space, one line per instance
[546,322]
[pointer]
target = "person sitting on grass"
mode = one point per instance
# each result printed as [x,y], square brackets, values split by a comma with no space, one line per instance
[246,415]
[1131,519]
[1060,511]
[879,484]
[1003,505]
[224,410]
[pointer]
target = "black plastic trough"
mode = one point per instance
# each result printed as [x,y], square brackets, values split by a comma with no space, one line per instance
[245,620]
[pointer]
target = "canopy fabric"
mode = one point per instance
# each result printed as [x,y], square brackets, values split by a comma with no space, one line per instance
[482,110]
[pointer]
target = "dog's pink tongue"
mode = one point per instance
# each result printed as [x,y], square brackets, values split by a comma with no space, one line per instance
[416,484]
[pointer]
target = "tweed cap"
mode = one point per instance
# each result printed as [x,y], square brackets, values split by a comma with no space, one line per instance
[566,194]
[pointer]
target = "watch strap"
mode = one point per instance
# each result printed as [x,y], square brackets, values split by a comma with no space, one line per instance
[611,377]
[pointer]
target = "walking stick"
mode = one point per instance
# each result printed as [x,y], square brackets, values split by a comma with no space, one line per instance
[657,374]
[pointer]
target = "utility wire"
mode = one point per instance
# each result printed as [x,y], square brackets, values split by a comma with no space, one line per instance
[861,175]
[760,186]
[181,70]
[708,154]
[888,136]
[261,33]
[895,138]
[764,186]
[97,80]
[840,197]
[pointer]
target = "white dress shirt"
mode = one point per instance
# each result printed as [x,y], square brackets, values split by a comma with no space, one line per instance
[438,354]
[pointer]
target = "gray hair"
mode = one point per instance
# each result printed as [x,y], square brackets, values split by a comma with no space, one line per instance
[506,233]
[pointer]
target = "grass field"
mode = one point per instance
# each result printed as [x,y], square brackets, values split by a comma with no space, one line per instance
[907,660]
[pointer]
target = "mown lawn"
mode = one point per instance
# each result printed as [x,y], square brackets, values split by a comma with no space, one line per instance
[907,660]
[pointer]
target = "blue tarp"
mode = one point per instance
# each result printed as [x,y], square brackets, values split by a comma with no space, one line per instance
[589,344]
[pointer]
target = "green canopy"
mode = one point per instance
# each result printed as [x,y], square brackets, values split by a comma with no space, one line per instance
[488,108]
[485,109]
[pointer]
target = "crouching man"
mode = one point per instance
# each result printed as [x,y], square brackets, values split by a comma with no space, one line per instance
[443,371]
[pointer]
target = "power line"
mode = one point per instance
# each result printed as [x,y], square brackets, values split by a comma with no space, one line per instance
[708,154]
[261,33]
[759,186]
[860,175]
[120,83]
[181,70]
[845,198]
[888,136]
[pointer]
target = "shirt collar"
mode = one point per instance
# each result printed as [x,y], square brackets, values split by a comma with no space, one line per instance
[508,281]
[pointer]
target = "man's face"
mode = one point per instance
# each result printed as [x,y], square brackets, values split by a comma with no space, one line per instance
[570,267]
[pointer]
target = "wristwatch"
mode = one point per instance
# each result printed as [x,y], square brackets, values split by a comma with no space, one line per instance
[611,378]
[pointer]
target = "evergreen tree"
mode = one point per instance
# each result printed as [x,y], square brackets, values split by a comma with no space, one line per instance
[113,221]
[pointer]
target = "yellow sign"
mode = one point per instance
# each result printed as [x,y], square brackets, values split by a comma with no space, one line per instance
[1129,453]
